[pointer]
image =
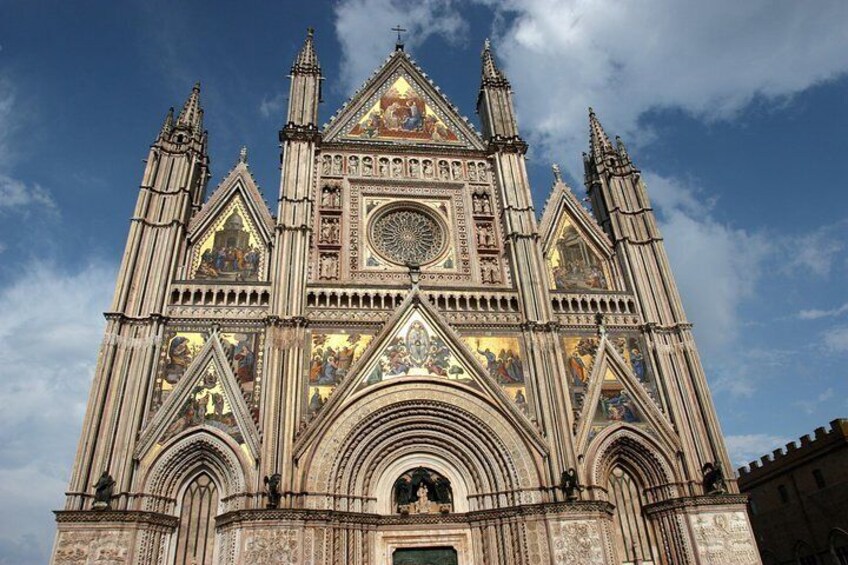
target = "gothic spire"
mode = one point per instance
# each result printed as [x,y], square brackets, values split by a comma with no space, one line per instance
[598,139]
[168,124]
[191,116]
[492,75]
[307,60]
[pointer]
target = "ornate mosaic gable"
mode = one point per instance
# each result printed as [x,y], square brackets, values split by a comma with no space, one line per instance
[332,356]
[615,404]
[207,405]
[231,249]
[582,351]
[572,263]
[399,112]
[416,349]
[179,349]
[503,358]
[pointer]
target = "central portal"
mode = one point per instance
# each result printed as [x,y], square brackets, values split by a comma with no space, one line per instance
[425,556]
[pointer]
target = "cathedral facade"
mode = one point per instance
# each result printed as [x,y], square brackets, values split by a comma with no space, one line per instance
[404,365]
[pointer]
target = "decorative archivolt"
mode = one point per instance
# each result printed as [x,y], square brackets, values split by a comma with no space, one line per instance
[642,456]
[458,431]
[185,456]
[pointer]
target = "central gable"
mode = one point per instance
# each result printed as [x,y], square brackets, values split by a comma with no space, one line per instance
[399,104]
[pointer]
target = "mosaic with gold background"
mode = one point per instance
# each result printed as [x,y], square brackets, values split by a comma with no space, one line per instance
[232,249]
[206,405]
[580,352]
[502,358]
[180,348]
[401,113]
[573,265]
[331,357]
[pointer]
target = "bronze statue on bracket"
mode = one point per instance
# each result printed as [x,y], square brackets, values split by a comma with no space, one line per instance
[713,478]
[272,486]
[103,489]
[570,485]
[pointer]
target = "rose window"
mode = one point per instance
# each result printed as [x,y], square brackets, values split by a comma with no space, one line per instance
[408,236]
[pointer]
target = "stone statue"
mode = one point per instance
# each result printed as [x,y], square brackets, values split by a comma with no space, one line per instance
[103,492]
[570,485]
[272,486]
[713,478]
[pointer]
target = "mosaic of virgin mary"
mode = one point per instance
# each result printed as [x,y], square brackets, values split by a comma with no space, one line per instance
[401,113]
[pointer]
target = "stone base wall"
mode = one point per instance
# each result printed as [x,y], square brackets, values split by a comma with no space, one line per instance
[713,530]
[707,530]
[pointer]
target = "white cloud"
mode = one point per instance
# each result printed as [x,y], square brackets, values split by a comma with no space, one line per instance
[750,447]
[15,195]
[363,49]
[811,406]
[698,244]
[272,106]
[710,59]
[815,314]
[836,340]
[51,327]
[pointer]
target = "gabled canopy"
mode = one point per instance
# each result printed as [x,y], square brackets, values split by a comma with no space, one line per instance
[435,351]
[616,398]
[240,182]
[400,104]
[207,396]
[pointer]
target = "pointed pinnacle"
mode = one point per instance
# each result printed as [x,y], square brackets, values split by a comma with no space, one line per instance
[621,148]
[191,115]
[168,124]
[597,136]
[492,75]
[307,60]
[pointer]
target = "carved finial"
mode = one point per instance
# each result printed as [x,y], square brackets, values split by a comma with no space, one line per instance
[243,154]
[557,173]
[492,75]
[599,142]
[191,116]
[168,124]
[307,60]
[399,42]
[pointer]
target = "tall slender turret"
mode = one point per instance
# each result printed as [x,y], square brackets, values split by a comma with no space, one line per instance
[507,149]
[622,207]
[172,188]
[299,140]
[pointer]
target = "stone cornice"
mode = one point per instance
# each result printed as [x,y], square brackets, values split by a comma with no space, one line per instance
[374,520]
[500,144]
[298,132]
[116,517]
[700,502]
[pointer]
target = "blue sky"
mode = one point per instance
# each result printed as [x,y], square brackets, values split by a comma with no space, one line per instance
[734,111]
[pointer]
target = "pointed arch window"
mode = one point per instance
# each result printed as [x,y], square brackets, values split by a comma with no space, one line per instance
[196,530]
[633,532]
